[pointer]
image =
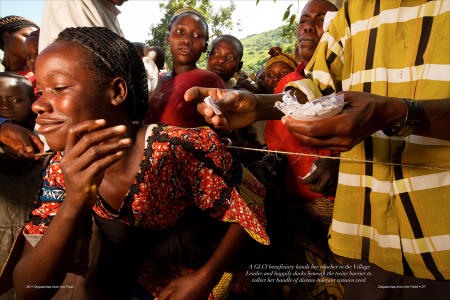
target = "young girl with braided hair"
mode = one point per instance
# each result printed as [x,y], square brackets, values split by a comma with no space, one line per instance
[13,32]
[125,193]
[188,39]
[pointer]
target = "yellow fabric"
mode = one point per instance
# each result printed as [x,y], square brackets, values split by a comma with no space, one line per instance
[278,55]
[222,289]
[399,49]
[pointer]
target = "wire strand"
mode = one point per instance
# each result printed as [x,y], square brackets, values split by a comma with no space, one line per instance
[342,158]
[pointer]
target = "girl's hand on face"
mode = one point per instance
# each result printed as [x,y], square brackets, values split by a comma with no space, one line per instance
[89,151]
[194,286]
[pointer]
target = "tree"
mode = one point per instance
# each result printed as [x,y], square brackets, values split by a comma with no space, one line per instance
[288,29]
[218,20]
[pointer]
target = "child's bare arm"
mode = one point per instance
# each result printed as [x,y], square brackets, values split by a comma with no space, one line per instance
[199,284]
[89,151]
[19,140]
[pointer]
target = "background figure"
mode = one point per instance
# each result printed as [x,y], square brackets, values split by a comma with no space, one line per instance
[278,137]
[19,177]
[188,39]
[151,69]
[16,97]
[158,57]
[141,48]
[59,15]
[31,49]
[13,32]
[279,65]
[225,58]
[312,198]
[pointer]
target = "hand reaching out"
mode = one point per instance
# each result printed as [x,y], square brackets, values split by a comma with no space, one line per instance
[324,179]
[363,115]
[20,141]
[89,151]
[194,286]
[238,107]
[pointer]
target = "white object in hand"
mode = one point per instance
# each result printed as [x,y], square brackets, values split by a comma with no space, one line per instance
[321,108]
[210,101]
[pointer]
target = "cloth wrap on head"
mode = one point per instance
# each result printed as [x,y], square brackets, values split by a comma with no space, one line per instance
[189,10]
[12,24]
[277,55]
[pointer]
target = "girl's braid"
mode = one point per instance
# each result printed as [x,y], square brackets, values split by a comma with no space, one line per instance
[114,56]
[12,24]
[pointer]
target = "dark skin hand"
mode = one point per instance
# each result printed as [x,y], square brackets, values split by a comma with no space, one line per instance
[324,179]
[246,84]
[239,108]
[89,151]
[20,141]
[365,114]
[199,284]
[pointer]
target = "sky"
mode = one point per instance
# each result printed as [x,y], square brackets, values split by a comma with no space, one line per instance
[138,15]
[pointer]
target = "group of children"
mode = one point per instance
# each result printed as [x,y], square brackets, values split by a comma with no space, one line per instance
[127,208]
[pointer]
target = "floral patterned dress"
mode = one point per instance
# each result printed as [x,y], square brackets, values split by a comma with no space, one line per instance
[181,168]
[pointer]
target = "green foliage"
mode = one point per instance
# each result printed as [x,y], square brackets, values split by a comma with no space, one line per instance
[218,20]
[257,46]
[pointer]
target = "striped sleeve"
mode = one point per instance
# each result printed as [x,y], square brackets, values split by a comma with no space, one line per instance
[326,66]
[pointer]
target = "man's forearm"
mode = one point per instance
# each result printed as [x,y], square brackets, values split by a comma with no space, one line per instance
[266,109]
[437,119]
[227,250]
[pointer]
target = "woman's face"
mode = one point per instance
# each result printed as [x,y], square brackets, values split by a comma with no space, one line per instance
[69,91]
[187,39]
[310,28]
[14,42]
[275,72]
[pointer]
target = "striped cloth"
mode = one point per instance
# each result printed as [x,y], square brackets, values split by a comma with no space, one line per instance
[399,49]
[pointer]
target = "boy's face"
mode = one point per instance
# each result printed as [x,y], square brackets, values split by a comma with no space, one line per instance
[223,59]
[187,39]
[15,100]
[31,51]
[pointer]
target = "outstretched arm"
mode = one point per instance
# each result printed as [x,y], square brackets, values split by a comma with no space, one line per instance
[199,284]
[19,140]
[239,108]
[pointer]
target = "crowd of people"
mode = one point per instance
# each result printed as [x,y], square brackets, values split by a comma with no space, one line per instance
[118,181]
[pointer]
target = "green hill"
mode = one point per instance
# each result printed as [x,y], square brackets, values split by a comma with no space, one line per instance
[257,46]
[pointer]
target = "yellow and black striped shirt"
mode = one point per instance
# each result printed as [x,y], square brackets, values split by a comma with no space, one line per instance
[398,49]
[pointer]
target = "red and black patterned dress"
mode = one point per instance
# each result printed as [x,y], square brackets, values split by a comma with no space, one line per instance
[182,169]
